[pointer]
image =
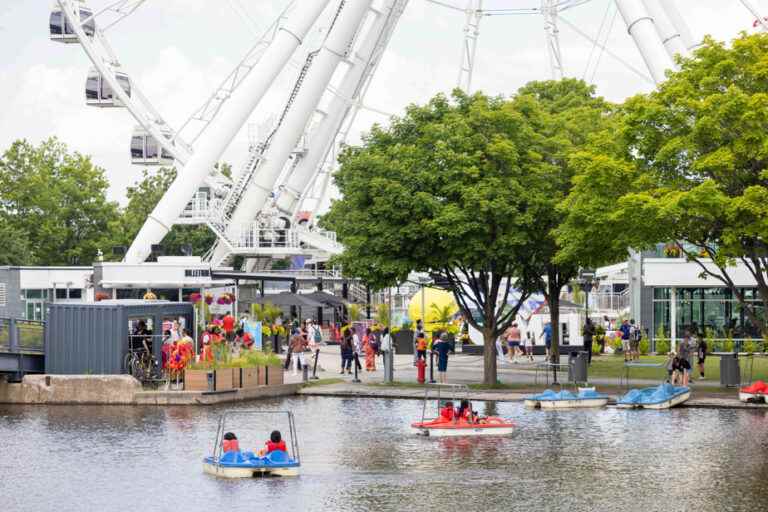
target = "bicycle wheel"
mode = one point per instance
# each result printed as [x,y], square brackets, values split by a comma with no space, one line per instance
[128,363]
[137,369]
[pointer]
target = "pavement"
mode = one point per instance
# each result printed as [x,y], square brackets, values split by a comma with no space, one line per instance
[468,369]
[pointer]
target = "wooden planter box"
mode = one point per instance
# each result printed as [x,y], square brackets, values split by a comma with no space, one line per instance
[199,380]
[274,375]
[237,377]
[251,377]
[224,379]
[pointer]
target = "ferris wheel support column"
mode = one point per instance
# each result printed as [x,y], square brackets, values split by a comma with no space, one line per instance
[324,133]
[223,128]
[474,12]
[549,9]
[319,75]
[668,33]
[680,24]
[641,27]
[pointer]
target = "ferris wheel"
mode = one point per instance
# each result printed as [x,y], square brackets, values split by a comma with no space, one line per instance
[268,207]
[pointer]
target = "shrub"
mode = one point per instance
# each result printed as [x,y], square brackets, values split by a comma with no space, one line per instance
[595,347]
[645,346]
[662,346]
[750,347]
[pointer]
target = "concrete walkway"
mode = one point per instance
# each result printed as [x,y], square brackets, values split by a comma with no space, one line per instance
[467,369]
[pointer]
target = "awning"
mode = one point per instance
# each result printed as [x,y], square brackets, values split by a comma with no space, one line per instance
[287,299]
[326,298]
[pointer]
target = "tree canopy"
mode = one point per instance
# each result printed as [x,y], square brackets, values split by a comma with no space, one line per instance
[53,206]
[690,167]
[443,189]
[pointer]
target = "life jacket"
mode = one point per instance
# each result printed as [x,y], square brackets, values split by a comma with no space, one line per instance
[447,413]
[271,447]
[232,445]
[421,344]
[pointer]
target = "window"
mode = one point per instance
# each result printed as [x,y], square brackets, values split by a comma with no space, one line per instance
[92,87]
[61,293]
[34,294]
[75,293]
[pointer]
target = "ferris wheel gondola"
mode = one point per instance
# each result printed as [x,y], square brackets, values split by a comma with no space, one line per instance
[145,149]
[61,28]
[99,93]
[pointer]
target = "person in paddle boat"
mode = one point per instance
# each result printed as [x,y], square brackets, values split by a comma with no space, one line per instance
[274,444]
[447,412]
[467,415]
[230,443]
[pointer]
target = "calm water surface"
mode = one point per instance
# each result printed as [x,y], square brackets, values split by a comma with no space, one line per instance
[359,455]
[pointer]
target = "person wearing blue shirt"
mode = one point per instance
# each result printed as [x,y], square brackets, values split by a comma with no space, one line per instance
[547,335]
[625,329]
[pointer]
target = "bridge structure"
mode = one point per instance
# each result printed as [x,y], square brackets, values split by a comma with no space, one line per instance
[22,348]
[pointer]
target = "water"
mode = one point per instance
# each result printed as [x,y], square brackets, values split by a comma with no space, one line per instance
[359,455]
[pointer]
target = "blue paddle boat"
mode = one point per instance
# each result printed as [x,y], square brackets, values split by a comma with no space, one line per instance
[234,463]
[567,400]
[663,396]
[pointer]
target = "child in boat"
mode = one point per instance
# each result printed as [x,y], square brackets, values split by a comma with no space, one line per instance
[230,443]
[447,412]
[275,443]
[465,412]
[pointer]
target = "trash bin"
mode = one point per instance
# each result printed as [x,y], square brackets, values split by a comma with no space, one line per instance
[580,367]
[730,373]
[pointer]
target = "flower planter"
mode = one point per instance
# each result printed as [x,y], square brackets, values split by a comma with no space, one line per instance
[251,377]
[199,380]
[237,377]
[274,375]
[224,379]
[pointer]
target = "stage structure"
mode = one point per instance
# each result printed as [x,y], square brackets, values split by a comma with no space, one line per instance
[269,207]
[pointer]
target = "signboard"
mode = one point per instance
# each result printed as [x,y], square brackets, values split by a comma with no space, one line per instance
[254,329]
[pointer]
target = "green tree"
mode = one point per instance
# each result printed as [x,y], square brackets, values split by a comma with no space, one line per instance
[142,198]
[15,248]
[693,169]
[53,205]
[443,189]
[566,117]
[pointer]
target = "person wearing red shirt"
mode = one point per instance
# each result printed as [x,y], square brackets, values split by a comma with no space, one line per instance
[447,412]
[228,323]
[274,444]
[230,443]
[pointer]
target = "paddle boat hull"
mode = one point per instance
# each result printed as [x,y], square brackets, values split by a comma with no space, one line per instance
[665,396]
[751,397]
[493,427]
[249,465]
[246,472]
[584,403]
[754,393]
[586,398]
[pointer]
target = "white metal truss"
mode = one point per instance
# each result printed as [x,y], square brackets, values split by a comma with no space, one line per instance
[549,11]
[104,59]
[474,13]
[223,127]
[306,95]
[759,18]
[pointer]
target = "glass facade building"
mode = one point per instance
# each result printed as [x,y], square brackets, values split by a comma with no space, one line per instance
[701,309]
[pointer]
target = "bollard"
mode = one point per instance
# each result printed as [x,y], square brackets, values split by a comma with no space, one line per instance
[432,367]
[389,367]
[314,367]
[357,366]
[304,372]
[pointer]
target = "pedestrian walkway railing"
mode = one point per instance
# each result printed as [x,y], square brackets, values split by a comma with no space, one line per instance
[21,335]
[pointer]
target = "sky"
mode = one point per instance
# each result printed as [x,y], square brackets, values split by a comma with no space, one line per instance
[178,51]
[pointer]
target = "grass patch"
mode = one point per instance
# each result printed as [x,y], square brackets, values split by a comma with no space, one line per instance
[322,382]
[613,366]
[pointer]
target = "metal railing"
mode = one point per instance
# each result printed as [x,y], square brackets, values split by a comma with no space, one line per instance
[17,335]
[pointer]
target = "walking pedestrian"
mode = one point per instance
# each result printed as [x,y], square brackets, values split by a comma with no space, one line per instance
[369,348]
[701,353]
[625,332]
[546,333]
[513,340]
[685,355]
[635,335]
[347,350]
[589,333]
[442,348]
[298,347]
[529,346]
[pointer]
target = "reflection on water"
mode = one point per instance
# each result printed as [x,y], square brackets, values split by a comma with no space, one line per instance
[358,454]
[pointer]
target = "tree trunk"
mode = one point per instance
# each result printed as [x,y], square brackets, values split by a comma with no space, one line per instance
[489,357]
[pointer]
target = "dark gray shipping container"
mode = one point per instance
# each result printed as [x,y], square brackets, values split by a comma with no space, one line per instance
[82,338]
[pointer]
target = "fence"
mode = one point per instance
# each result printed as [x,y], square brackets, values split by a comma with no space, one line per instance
[27,335]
